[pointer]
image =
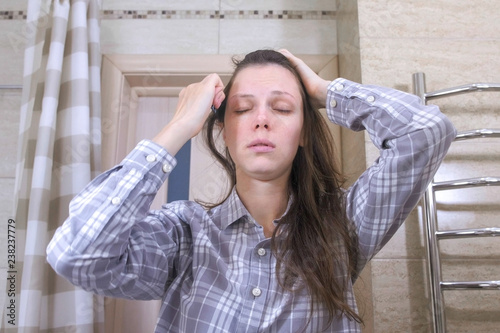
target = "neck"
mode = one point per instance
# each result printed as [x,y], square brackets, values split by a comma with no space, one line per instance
[265,201]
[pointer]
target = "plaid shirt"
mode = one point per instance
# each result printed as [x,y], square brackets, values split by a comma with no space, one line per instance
[214,269]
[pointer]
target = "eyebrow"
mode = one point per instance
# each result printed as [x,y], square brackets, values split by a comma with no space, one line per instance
[274,92]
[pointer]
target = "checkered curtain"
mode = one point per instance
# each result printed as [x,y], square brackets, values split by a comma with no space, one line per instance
[59,154]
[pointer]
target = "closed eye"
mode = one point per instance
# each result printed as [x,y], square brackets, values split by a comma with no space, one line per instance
[241,111]
[283,110]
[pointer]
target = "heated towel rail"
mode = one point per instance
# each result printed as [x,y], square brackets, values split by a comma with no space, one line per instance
[433,234]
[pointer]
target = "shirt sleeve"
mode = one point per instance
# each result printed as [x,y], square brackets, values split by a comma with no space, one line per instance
[412,140]
[111,244]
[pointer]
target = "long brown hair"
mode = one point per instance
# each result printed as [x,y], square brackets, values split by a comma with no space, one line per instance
[312,243]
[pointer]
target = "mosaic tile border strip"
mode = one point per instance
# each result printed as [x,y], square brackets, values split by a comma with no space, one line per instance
[199,14]
[13,14]
[216,14]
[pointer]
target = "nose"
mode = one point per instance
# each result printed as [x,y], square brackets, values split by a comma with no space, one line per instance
[262,120]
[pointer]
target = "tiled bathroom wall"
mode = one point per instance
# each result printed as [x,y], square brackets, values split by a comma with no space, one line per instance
[454,42]
[213,27]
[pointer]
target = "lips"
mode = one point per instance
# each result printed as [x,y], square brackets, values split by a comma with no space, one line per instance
[261,145]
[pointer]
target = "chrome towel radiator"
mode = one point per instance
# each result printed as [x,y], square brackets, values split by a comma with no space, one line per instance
[433,235]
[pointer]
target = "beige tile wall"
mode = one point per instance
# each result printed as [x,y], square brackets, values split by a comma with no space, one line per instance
[160,5]
[454,42]
[223,5]
[222,35]
[299,36]
[179,36]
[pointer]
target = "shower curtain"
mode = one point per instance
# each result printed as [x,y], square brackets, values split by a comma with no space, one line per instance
[59,153]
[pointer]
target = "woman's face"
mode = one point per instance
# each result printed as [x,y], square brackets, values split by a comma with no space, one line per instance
[263,122]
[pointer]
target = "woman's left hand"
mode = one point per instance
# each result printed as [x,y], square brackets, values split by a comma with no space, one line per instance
[316,86]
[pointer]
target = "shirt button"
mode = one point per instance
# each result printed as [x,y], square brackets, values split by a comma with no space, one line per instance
[261,252]
[333,103]
[370,99]
[166,168]
[151,158]
[116,201]
[339,87]
[256,292]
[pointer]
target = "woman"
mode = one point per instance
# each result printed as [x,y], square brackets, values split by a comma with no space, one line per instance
[281,252]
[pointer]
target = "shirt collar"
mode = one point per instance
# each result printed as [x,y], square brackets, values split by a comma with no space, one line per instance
[233,210]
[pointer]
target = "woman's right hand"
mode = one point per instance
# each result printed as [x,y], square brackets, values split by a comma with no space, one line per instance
[193,109]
